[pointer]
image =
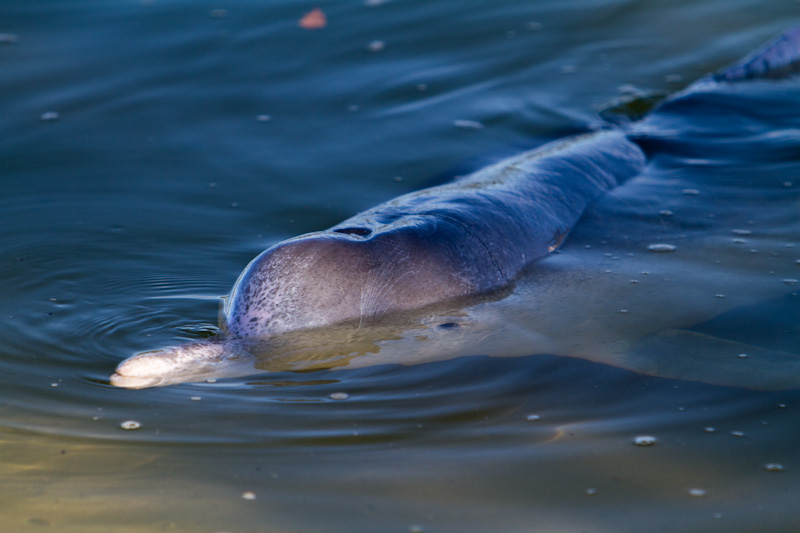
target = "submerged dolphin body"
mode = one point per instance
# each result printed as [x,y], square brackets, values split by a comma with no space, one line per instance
[429,275]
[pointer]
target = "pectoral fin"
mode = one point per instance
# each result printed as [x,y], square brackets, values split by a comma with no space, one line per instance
[688,355]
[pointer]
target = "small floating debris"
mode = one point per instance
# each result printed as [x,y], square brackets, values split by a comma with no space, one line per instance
[264,118]
[533,418]
[790,281]
[773,467]
[661,248]
[709,429]
[468,124]
[248,495]
[49,116]
[339,396]
[742,356]
[697,493]
[666,213]
[8,38]
[644,440]
[376,46]
[130,424]
[690,192]
[313,20]
[737,433]
[196,398]
[623,311]
[742,232]
[719,296]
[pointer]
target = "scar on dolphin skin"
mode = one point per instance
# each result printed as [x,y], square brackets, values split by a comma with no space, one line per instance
[472,236]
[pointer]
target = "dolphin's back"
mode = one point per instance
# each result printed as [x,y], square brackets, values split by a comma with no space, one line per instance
[513,212]
[778,59]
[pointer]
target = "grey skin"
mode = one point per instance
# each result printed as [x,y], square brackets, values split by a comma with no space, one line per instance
[467,237]
[471,237]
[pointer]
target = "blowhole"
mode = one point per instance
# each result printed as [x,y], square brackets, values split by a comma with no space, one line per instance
[361,232]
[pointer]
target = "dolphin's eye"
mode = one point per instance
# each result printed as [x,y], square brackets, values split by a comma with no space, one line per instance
[361,232]
[448,325]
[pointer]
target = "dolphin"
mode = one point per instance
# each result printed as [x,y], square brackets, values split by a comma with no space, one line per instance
[537,254]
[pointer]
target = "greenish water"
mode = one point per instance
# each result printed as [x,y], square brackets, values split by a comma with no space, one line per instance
[126,218]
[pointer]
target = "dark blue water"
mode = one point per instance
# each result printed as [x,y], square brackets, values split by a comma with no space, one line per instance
[128,214]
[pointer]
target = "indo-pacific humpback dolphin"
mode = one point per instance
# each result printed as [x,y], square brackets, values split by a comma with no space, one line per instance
[469,267]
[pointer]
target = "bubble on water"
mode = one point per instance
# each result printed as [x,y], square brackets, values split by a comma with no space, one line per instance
[690,192]
[666,213]
[130,424]
[709,429]
[742,232]
[782,405]
[790,281]
[623,311]
[49,116]
[697,493]
[338,396]
[644,440]
[376,46]
[739,241]
[773,467]
[661,248]
[467,124]
[248,495]
[737,433]
[719,296]
[54,385]
[742,356]
[196,398]
[533,418]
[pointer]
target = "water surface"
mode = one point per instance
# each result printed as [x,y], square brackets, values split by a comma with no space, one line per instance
[129,215]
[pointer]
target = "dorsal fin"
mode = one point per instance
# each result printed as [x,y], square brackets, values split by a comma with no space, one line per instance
[778,59]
